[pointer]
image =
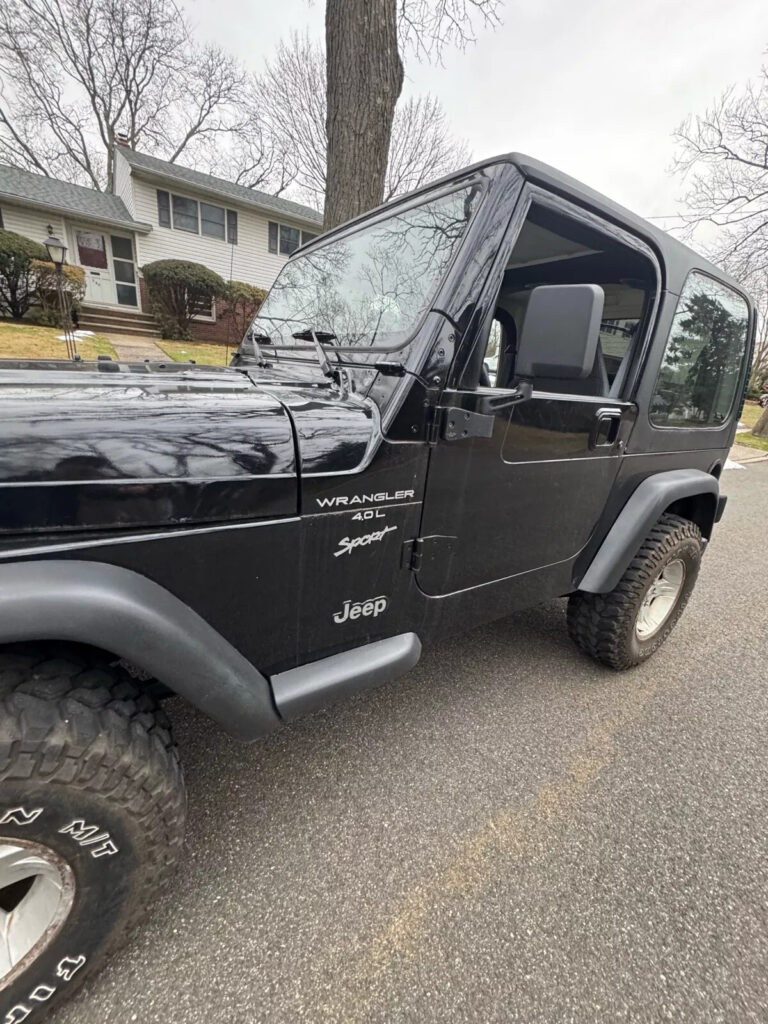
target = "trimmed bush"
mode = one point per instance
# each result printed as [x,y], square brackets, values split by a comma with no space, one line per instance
[178,292]
[243,301]
[73,284]
[17,278]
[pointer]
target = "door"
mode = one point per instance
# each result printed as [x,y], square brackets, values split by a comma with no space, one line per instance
[93,255]
[525,498]
[529,496]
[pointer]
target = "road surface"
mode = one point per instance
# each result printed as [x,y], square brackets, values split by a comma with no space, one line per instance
[510,833]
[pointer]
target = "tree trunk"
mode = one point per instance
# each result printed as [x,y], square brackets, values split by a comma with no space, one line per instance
[760,429]
[365,76]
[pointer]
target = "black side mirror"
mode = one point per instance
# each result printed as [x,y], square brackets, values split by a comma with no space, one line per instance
[560,331]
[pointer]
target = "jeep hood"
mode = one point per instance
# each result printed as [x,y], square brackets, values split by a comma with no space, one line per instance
[155,446]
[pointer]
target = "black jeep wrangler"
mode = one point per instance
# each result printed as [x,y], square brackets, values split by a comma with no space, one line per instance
[496,391]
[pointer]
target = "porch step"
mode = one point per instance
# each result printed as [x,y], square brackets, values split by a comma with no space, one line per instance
[118,321]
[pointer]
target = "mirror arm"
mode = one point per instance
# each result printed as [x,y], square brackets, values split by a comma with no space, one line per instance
[490,404]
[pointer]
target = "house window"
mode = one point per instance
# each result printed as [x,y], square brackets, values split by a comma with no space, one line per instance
[283,239]
[185,214]
[232,227]
[212,220]
[92,249]
[198,218]
[163,209]
[208,310]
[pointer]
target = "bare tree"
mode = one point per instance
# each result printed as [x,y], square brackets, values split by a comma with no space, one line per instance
[364,74]
[421,146]
[78,72]
[291,98]
[724,155]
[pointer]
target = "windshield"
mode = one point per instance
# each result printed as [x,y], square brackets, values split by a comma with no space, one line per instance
[371,287]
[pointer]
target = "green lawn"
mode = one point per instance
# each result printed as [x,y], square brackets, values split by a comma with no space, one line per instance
[28,341]
[206,353]
[749,416]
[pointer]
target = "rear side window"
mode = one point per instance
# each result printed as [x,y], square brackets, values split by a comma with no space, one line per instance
[702,362]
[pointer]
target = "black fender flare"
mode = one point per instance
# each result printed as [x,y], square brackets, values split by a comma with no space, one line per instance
[135,618]
[648,502]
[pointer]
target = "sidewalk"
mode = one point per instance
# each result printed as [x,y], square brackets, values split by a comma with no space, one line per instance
[134,348]
[744,455]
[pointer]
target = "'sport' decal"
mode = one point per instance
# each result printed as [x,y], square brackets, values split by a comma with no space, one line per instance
[348,544]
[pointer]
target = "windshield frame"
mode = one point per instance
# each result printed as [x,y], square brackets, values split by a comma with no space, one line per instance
[475,179]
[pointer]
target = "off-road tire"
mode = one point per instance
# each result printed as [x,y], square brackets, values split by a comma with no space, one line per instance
[83,745]
[603,625]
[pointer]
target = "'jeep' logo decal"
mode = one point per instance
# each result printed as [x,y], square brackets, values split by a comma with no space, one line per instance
[357,609]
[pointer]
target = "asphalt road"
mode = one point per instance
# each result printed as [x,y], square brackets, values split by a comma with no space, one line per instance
[508,834]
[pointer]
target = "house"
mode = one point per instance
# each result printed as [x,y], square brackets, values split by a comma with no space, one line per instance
[159,211]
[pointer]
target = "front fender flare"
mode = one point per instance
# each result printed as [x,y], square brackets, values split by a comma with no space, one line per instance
[648,502]
[131,616]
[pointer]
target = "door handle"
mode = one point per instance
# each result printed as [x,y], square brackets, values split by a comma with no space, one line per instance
[605,429]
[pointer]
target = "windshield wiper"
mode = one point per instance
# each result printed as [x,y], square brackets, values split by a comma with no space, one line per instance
[318,338]
[254,337]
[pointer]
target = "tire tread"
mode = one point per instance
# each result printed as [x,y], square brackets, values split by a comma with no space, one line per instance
[599,623]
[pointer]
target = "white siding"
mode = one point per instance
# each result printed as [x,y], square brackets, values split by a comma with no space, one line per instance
[250,259]
[123,181]
[32,223]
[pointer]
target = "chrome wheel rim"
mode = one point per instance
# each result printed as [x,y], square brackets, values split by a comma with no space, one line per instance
[660,599]
[37,889]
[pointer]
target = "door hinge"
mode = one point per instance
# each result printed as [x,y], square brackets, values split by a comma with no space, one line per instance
[412,553]
[460,423]
[434,424]
[452,423]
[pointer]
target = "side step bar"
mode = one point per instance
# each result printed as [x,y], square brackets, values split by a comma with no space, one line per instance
[308,687]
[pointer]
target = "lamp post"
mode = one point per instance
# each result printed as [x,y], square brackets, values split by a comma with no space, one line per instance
[57,252]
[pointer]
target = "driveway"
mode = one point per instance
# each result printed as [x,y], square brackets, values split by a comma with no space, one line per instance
[508,834]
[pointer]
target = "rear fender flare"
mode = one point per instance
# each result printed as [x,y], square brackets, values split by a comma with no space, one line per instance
[690,492]
[134,618]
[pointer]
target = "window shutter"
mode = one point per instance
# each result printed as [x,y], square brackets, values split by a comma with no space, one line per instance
[232,227]
[1,219]
[307,236]
[273,230]
[163,209]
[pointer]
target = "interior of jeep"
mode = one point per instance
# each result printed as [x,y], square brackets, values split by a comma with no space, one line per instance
[553,248]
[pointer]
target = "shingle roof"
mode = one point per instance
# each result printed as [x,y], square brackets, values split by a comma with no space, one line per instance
[150,165]
[62,196]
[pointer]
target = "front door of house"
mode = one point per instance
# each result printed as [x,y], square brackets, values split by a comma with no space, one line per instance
[94,257]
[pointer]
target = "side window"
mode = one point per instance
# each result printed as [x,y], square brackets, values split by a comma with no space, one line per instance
[702,362]
[553,248]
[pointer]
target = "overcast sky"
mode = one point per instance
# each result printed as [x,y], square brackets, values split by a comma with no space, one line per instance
[595,87]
